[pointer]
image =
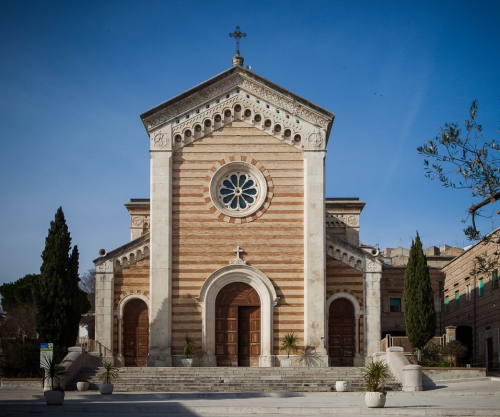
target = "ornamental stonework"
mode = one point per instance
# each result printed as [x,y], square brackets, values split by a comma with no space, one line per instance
[262,91]
[219,204]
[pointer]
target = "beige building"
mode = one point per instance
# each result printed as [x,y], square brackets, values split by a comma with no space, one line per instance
[472,304]
[238,245]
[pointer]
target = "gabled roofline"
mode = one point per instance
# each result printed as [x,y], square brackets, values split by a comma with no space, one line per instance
[123,248]
[225,74]
[233,77]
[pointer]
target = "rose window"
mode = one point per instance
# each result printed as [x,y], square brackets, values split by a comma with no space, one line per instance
[238,191]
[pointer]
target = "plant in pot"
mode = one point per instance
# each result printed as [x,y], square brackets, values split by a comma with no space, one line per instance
[82,384]
[374,375]
[107,376]
[189,351]
[53,373]
[289,344]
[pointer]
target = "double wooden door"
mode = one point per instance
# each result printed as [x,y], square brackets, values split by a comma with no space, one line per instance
[135,333]
[341,337]
[237,326]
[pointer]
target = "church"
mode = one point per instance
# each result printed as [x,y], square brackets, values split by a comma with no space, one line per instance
[238,245]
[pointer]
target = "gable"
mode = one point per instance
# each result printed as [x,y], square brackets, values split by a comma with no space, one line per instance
[237,95]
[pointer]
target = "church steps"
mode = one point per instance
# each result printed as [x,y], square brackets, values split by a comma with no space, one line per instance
[230,379]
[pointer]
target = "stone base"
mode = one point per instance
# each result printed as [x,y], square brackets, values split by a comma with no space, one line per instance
[358,361]
[159,359]
[208,361]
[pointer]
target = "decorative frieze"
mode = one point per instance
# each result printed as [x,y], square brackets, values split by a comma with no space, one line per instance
[261,91]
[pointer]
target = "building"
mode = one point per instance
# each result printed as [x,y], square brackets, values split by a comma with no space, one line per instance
[471,300]
[238,245]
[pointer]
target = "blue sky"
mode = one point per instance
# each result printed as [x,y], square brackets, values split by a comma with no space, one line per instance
[76,75]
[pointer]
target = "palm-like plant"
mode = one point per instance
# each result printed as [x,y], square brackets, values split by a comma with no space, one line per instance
[109,373]
[289,343]
[374,375]
[189,347]
[54,371]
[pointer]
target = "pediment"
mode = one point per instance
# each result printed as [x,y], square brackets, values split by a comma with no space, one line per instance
[237,95]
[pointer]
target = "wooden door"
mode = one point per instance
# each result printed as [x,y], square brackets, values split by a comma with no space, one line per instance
[237,326]
[248,336]
[135,333]
[226,335]
[341,338]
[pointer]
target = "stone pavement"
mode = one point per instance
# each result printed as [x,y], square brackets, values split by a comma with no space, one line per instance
[478,397]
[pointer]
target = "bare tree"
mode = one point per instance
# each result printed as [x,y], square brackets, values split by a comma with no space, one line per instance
[20,321]
[87,284]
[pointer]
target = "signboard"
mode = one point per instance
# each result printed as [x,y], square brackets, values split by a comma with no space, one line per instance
[46,351]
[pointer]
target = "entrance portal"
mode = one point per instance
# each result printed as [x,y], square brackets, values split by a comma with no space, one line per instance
[135,333]
[341,336]
[237,325]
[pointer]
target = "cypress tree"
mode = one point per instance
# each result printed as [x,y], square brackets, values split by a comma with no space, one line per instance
[57,295]
[418,299]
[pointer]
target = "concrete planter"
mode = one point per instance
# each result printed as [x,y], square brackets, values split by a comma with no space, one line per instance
[374,399]
[285,363]
[54,397]
[106,389]
[342,386]
[82,386]
[187,362]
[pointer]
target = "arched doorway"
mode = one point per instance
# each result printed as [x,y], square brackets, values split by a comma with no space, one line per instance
[237,325]
[135,333]
[341,333]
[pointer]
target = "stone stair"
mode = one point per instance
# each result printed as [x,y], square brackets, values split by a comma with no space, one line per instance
[230,379]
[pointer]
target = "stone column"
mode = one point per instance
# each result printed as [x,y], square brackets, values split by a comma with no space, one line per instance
[160,257]
[104,308]
[314,253]
[358,361]
[119,357]
[372,295]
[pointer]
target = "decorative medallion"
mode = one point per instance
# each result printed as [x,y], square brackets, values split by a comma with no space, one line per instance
[315,140]
[104,266]
[161,140]
[372,267]
[352,220]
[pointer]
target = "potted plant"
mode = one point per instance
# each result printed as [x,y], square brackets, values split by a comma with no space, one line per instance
[53,373]
[82,385]
[189,351]
[289,344]
[374,375]
[107,376]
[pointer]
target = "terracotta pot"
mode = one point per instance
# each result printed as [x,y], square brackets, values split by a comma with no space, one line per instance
[374,399]
[82,386]
[106,389]
[54,397]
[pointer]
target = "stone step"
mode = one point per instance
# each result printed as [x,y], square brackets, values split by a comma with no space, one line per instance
[230,379]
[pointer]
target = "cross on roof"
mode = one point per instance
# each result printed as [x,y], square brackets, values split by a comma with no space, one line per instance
[237,35]
[238,250]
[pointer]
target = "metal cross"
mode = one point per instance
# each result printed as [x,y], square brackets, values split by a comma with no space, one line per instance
[238,35]
[238,250]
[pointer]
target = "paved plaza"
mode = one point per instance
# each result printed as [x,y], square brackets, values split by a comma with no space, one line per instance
[479,397]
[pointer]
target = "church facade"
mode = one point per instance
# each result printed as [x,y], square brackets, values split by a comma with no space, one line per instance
[238,244]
